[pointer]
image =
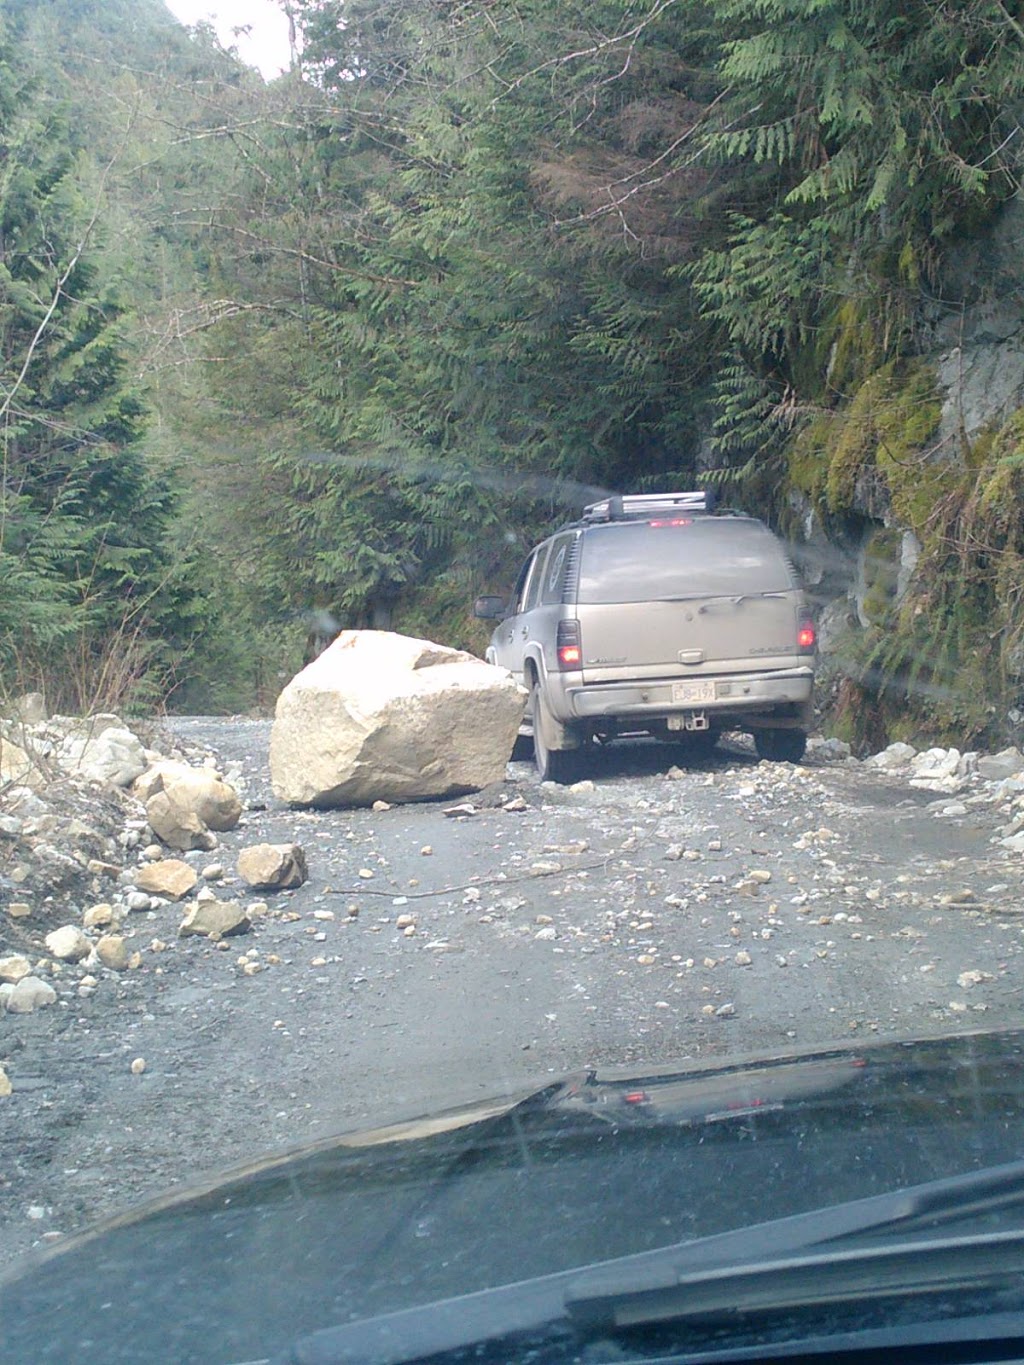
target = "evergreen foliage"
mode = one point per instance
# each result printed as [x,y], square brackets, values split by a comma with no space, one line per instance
[337,348]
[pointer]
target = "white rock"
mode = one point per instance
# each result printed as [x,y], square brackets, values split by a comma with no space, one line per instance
[29,994]
[29,708]
[997,767]
[973,978]
[833,750]
[379,716]
[895,756]
[103,749]
[68,943]
[14,967]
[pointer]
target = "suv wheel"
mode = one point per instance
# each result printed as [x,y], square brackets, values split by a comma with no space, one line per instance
[553,765]
[780,746]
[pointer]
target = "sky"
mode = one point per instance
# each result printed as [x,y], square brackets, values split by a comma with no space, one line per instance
[266,48]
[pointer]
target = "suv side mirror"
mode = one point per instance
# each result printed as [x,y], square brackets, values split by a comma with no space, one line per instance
[489,608]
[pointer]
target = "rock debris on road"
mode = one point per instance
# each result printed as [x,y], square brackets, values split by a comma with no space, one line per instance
[447,951]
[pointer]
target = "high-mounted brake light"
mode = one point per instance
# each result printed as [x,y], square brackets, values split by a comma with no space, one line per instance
[568,646]
[675,521]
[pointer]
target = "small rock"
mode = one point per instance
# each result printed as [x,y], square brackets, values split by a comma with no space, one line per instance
[547,934]
[365,873]
[170,878]
[832,750]
[5,1084]
[98,916]
[673,853]
[380,806]
[14,968]
[68,943]
[895,756]
[113,952]
[743,959]
[274,867]
[763,877]
[973,978]
[647,959]
[220,918]
[19,910]
[137,902]
[29,994]
[516,804]
[725,1011]
[96,868]
[213,873]
[583,788]
[138,1066]
[461,812]
[404,922]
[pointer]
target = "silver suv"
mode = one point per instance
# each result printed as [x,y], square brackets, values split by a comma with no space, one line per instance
[655,615]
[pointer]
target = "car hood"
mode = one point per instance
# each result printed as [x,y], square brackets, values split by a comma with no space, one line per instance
[590,1167]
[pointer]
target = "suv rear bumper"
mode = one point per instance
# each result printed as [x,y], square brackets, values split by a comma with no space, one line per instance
[736,694]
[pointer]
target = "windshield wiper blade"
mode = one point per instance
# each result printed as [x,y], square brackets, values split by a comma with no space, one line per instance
[602,1301]
[414,1334]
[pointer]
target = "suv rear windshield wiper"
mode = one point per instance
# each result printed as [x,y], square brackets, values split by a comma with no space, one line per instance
[769,1265]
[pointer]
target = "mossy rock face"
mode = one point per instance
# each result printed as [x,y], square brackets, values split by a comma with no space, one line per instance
[939,656]
[881,450]
[880,568]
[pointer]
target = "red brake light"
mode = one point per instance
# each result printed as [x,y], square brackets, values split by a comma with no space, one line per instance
[673,521]
[807,638]
[567,644]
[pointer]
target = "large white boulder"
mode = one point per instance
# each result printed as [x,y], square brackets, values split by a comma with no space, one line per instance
[380,716]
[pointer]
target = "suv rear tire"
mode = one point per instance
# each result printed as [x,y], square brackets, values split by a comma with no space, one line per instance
[553,765]
[780,746]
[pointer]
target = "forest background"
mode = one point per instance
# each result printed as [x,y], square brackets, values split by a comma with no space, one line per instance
[335,350]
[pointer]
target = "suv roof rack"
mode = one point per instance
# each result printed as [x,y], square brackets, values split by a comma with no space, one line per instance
[623,508]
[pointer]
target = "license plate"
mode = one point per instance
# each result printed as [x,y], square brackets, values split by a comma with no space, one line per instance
[693,693]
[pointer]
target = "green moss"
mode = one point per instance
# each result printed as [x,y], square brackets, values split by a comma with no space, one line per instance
[853,442]
[807,457]
[946,663]
[881,570]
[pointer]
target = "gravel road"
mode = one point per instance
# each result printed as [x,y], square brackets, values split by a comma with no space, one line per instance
[725,906]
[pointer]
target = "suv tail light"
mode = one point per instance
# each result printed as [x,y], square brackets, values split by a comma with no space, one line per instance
[807,636]
[568,645]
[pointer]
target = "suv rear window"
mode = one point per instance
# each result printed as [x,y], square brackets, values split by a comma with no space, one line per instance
[638,562]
